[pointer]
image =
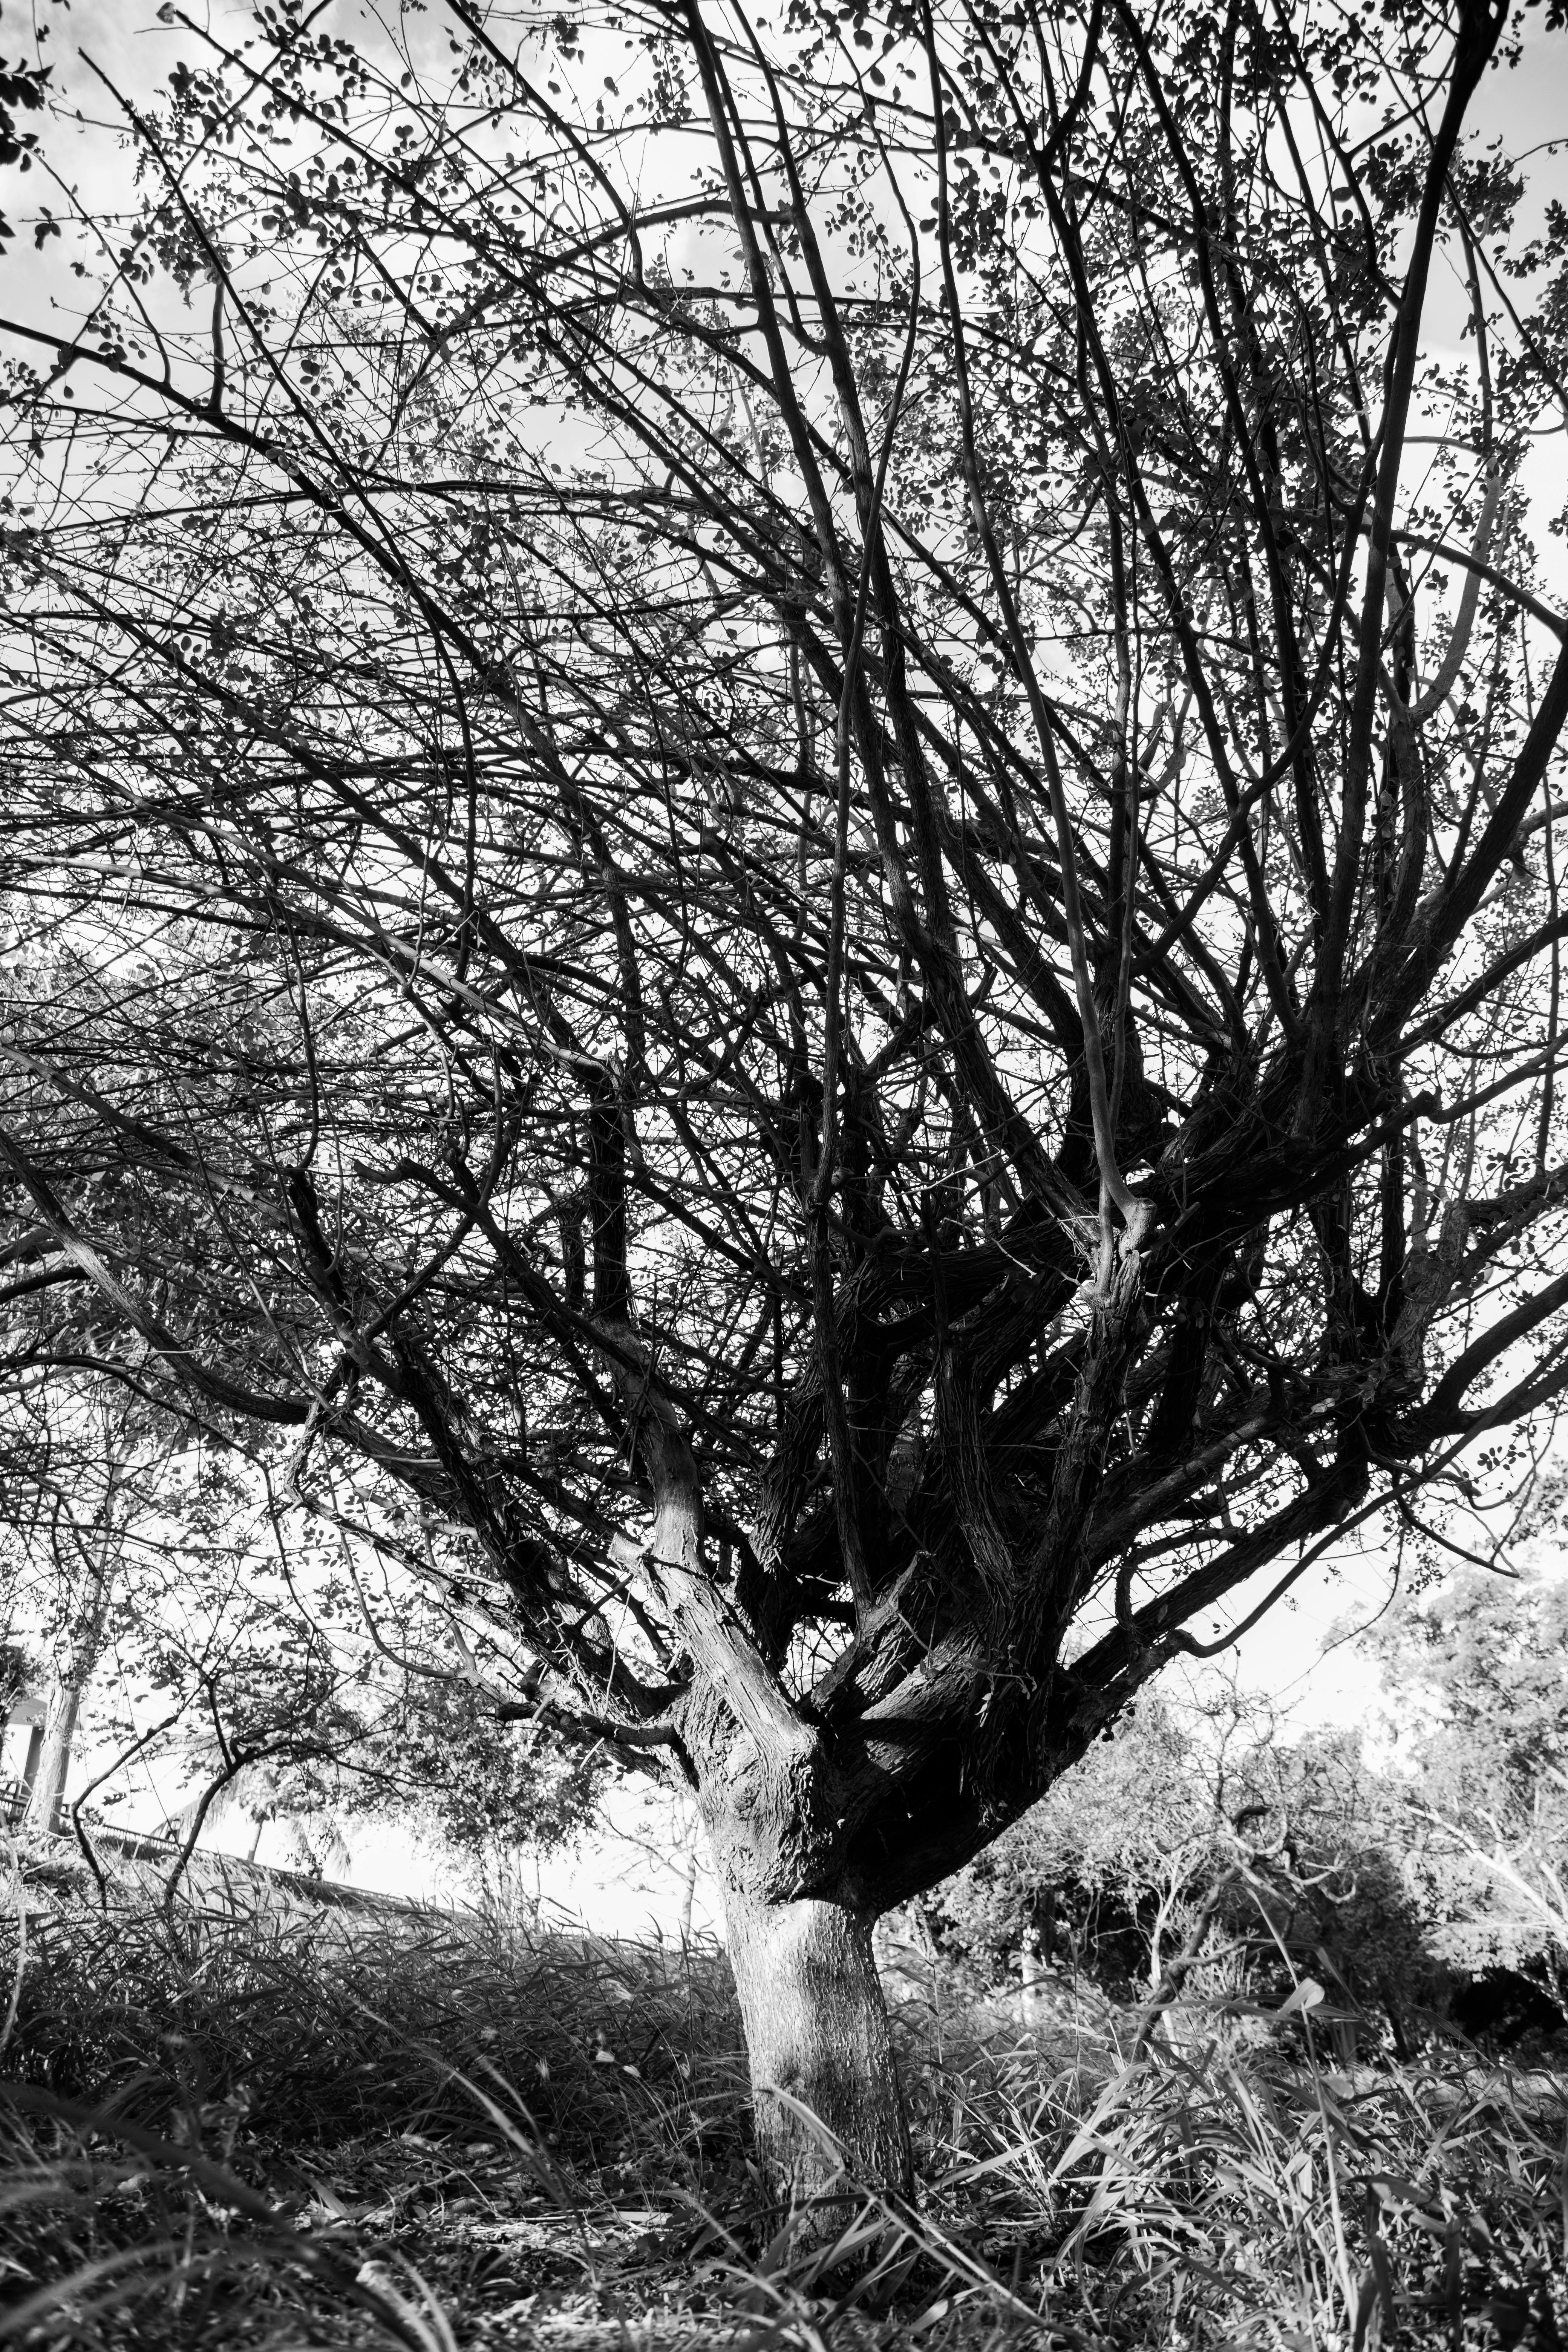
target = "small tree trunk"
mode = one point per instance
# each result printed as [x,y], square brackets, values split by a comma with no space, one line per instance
[1031,1969]
[48,1793]
[816,2033]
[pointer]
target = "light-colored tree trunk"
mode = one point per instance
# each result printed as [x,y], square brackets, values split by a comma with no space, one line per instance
[1031,1973]
[47,1797]
[830,2106]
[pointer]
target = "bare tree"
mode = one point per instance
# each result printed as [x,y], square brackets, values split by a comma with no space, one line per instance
[780,840]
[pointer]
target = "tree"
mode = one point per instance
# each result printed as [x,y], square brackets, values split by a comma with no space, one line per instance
[1475,1673]
[336,1738]
[264,1681]
[91,1473]
[780,830]
[23,89]
[1198,1851]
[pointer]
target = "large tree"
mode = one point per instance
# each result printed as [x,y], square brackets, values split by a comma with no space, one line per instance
[779,840]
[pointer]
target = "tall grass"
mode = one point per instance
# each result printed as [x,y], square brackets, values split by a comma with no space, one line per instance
[317,2027]
[229,2129]
[1253,2195]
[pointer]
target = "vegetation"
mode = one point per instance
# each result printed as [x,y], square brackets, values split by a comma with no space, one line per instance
[1185,2072]
[140,1557]
[301,2027]
[782,875]
[1199,1849]
[1236,1865]
[230,2129]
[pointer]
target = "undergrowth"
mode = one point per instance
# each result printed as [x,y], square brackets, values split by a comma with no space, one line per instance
[277,2130]
[315,2027]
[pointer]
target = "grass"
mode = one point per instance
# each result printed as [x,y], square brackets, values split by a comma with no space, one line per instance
[315,2028]
[279,2129]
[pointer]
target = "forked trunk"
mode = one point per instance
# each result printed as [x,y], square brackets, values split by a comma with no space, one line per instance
[829,2109]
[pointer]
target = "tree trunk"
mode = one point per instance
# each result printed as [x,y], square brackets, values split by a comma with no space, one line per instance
[816,2034]
[48,1793]
[30,1763]
[1031,1971]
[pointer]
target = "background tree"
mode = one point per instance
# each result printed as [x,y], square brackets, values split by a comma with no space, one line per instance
[92,1474]
[788,794]
[242,1678]
[292,1720]
[1197,1852]
[23,1737]
[1476,1675]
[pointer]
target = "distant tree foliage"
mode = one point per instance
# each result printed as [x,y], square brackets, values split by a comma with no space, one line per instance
[1200,1831]
[1439,1865]
[1481,1663]
[1478,1666]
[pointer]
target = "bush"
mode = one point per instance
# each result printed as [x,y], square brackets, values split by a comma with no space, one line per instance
[1196,1840]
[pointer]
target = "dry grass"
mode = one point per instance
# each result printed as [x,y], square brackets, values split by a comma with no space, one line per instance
[277,2131]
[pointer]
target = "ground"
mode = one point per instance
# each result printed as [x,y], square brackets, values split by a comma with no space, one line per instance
[233,2125]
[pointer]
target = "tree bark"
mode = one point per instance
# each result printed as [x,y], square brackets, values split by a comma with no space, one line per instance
[46,1794]
[818,2039]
